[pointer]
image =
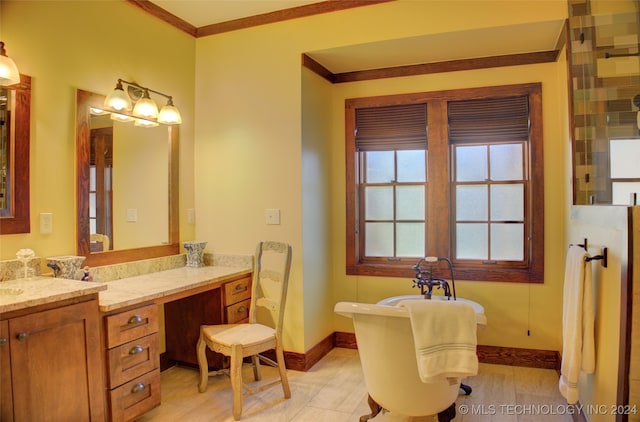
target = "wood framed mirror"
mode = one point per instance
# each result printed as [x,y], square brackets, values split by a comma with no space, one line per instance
[15,139]
[90,215]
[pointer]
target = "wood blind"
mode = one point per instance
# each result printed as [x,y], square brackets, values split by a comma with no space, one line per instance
[391,127]
[489,120]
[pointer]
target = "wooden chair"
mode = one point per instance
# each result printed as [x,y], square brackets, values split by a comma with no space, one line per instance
[103,239]
[269,291]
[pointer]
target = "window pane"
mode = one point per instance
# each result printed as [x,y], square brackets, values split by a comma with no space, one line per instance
[471,163]
[92,179]
[624,155]
[471,203]
[410,203]
[411,166]
[507,242]
[621,192]
[410,240]
[471,241]
[92,205]
[379,166]
[378,203]
[507,202]
[506,162]
[92,226]
[378,239]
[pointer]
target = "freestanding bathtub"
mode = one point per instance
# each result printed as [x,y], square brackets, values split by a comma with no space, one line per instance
[388,358]
[479,309]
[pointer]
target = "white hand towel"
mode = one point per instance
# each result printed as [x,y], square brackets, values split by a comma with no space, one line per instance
[578,344]
[444,334]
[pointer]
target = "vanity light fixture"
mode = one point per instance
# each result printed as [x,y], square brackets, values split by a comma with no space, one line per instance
[9,74]
[145,112]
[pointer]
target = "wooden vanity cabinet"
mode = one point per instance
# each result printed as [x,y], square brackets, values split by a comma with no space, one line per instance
[51,364]
[183,318]
[132,362]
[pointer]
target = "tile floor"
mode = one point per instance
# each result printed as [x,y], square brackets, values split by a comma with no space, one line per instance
[334,391]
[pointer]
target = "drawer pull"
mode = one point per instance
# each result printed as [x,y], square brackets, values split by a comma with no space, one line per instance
[21,336]
[241,287]
[138,388]
[136,319]
[136,349]
[242,309]
[3,341]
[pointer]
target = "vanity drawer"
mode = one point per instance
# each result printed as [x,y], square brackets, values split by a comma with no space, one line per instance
[236,291]
[238,312]
[133,359]
[135,397]
[130,325]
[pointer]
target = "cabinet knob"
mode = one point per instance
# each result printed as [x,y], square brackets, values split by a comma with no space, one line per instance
[136,349]
[242,310]
[241,287]
[136,319]
[138,388]
[21,336]
[3,341]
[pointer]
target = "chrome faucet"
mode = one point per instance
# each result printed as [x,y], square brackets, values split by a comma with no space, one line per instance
[426,280]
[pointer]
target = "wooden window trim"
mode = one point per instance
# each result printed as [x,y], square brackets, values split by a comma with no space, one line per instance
[438,192]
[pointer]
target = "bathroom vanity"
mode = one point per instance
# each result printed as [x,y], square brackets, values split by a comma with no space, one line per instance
[129,308]
[49,334]
[101,340]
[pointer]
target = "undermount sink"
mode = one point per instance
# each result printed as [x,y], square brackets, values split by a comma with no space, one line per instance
[478,309]
[11,291]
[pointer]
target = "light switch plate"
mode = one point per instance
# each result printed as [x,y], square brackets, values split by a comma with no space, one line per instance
[191,216]
[272,216]
[132,215]
[46,222]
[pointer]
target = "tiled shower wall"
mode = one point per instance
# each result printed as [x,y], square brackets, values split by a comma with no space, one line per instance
[605,76]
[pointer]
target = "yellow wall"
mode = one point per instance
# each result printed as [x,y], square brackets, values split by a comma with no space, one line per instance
[261,132]
[255,142]
[88,45]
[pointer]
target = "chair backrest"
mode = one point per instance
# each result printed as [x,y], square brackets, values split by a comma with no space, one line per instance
[270,282]
[102,238]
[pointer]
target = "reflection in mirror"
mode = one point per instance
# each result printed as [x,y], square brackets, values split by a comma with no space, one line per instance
[15,121]
[127,187]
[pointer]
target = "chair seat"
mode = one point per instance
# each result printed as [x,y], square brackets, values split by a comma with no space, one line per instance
[245,334]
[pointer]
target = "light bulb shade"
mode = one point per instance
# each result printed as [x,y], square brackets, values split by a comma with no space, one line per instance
[146,108]
[146,123]
[169,115]
[9,74]
[121,117]
[118,99]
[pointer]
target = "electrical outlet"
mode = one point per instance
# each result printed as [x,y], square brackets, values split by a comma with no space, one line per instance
[46,222]
[272,216]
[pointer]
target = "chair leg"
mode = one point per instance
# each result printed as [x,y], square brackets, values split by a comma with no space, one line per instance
[282,369]
[236,380]
[257,372]
[201,350]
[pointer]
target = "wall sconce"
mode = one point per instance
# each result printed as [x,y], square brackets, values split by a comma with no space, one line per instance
[9,74]
[145,110]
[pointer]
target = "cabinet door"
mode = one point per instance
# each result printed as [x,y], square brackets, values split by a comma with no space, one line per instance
[6,399]
[56,365]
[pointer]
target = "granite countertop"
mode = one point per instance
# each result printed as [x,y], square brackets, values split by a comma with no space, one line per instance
[143,288]
[21,294]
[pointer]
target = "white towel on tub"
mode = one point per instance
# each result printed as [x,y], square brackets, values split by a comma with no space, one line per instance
[578,345]
[444,334]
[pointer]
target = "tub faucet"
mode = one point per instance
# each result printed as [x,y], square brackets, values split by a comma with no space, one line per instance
[425,279]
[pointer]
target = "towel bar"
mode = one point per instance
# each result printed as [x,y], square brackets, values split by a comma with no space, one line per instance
[602,257]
